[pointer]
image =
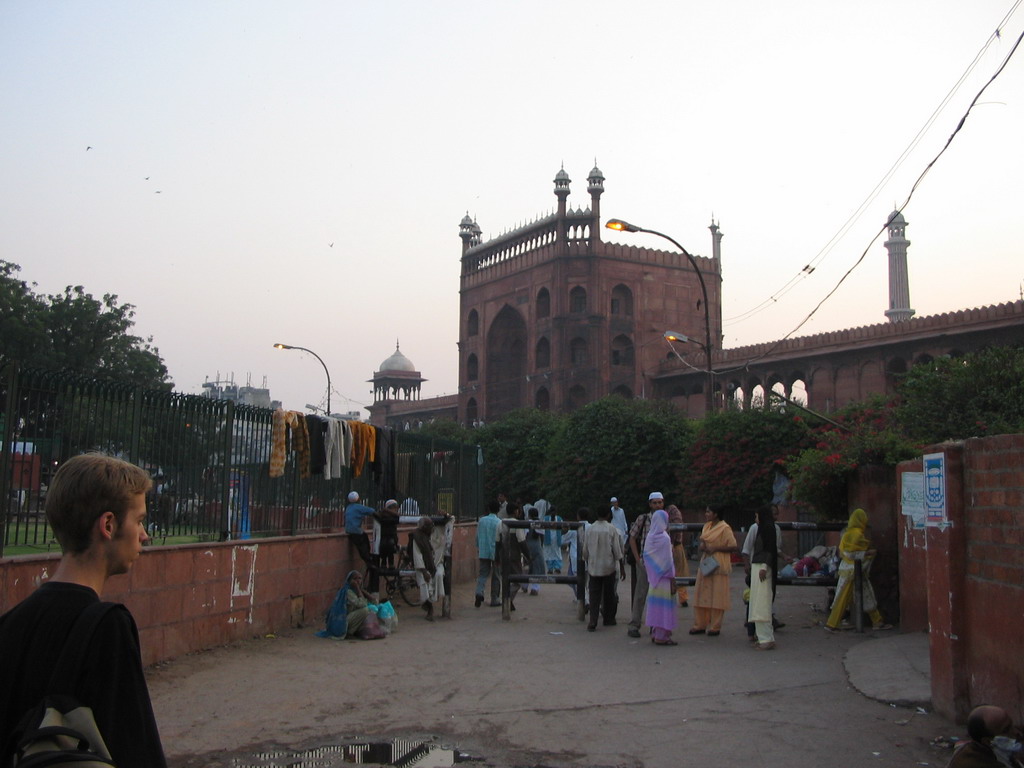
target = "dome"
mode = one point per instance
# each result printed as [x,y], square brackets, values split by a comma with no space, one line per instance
[562,176]
[896,218]
[397,362]
[595,175]
[466,222]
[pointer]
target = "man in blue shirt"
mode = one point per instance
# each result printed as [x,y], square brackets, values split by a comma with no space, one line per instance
[355,513]
[487,528]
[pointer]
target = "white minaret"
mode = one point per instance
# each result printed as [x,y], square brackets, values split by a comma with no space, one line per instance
[899,280]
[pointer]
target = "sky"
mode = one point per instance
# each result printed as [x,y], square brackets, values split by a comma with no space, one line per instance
[246,173]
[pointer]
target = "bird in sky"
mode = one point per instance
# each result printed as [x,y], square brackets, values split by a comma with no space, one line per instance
[158,191]
[330,245]
[88,148]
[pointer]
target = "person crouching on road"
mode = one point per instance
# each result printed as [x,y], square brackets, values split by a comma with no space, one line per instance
[429,570]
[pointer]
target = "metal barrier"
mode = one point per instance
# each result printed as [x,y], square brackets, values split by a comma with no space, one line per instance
[508,578]
[209,459]
[799,581]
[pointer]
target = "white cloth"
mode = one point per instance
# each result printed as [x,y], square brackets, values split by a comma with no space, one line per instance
[761,603]
[431,589]
[620,522]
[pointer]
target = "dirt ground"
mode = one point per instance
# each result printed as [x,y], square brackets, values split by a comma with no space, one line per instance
[542,691]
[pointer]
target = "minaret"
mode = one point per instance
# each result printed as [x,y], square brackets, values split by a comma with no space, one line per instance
[899,281]
[716,241]
[562,181]
[466,232]
[595,188]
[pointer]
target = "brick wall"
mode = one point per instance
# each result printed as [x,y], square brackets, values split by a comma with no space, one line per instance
[972,590]
[190,597]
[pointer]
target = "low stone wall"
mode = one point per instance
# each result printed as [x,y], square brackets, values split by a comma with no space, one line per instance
[190,597]
[963,583]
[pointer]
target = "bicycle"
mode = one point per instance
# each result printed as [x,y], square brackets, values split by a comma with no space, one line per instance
[401,579]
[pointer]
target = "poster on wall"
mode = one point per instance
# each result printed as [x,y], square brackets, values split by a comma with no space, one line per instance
[912,498]
[935,490]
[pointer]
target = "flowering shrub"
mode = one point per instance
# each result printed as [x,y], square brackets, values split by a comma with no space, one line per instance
[732,461]
[869,435]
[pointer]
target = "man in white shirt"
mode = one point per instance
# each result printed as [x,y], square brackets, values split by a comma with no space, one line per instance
[602,551]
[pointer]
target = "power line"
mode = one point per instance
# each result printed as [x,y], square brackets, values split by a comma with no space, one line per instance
[824,252]
[900,208]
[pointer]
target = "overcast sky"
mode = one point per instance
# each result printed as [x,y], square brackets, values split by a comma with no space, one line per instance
[233,142]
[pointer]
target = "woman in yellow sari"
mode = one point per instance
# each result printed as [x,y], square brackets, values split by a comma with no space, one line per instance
[855,545]
[712,591]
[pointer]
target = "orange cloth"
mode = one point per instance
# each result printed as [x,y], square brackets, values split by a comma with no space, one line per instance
[364,445]
[713,591]
[282,422]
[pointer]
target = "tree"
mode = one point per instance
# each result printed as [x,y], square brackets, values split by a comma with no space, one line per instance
[75,333]
[22,334]
[869,434]
[445,429]
[516,452]
[614,446]
[734,457]
[956,398]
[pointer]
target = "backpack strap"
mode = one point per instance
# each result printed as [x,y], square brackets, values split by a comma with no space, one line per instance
[72,656]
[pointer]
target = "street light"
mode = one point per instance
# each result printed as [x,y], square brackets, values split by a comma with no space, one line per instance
[314,354]
[624,226]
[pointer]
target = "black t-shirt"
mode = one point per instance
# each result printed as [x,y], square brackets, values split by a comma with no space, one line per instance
[112,683]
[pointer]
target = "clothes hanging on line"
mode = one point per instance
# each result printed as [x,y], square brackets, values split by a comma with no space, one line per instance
[285,423]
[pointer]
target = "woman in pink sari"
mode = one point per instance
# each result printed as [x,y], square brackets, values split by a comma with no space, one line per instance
[661,576]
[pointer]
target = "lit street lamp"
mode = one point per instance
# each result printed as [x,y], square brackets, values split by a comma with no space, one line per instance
[314,354]
[623,226]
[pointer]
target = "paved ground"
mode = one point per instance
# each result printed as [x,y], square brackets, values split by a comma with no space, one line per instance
[541,691]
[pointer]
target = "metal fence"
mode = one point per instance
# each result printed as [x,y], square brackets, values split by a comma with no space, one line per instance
[209,460]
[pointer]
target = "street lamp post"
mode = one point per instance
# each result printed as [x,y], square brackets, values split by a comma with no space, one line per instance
[623,226]
[314,354]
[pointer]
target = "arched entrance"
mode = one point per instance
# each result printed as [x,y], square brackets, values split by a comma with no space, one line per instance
[506,363]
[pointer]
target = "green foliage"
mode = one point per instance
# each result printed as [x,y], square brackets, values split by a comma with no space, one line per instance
[443,429]
[625,448]
[75,333]
[732,461]
[870,434]
[956,398]
[516,452]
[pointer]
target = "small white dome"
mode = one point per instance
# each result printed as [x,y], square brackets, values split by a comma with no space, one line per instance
[397,362]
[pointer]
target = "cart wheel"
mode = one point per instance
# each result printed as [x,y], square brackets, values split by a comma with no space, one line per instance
[409,588]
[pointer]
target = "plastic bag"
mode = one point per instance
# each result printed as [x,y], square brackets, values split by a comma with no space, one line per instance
[371,628]
[388,617]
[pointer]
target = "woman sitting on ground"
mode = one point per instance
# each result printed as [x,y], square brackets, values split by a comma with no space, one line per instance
[349,610]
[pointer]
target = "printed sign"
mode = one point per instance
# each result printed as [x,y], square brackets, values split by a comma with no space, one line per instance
[935,489]
[912,498]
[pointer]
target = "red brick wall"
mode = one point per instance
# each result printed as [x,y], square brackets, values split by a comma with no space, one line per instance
[189,597]
[973,589]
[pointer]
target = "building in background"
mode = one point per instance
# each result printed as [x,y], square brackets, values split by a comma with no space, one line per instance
[553,317]
[227,389]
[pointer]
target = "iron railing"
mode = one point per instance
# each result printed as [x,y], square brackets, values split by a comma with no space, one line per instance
[209,460]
